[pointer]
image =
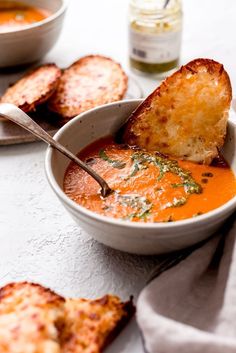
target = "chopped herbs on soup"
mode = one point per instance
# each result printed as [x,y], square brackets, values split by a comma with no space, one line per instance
[142,159]
[141,206]
[114,163]
[148,187]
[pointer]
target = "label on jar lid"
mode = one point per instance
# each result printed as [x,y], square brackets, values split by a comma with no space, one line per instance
[154,48]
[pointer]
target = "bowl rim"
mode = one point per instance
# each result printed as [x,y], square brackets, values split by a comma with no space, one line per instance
[179,224]
[53,16]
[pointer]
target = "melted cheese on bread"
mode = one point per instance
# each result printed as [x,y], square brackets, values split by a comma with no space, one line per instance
[186,117]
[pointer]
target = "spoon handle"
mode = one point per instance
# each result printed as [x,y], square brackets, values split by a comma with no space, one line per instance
[13,113]
[165,3]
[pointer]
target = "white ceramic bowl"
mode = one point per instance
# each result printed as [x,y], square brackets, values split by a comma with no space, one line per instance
[32,42]
[139,238]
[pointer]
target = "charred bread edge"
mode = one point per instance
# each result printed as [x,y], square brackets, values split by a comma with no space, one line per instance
[124,79]
[16,285]
[129,309]
[124,131]
[44,97]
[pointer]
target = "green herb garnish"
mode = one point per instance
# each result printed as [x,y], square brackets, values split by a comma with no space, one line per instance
[114,163]
[141,159]
[141,205]
[161,174]
[178,185]
[190,187]
[137,165]
[135,170]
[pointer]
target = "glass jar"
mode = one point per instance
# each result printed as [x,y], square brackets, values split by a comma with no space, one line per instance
[155,28]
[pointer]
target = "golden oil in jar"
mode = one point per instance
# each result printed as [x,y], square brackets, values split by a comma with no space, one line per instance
[155,31]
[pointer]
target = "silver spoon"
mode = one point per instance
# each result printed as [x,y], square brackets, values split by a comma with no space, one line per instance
[13,113]
[166,3]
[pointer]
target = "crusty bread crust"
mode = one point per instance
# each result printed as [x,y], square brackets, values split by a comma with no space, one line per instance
[91,81]
[29,319]
[186,116]
[92,324]
[34,88]
[35,319]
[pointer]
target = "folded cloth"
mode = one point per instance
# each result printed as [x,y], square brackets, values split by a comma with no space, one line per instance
[191,308]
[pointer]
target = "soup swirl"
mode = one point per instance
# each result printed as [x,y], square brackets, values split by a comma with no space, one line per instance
[148,187]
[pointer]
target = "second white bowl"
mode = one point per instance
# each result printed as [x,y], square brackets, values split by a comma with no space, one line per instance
[32,42]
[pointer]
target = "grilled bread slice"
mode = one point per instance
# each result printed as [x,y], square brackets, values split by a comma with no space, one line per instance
[34,88]
[89,82]
[92,324]
[186,116]
[29,319]
[36,320]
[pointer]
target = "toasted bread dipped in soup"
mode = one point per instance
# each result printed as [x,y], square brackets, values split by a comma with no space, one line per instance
[186,116]
[89,82]
[34,88]
[34,319]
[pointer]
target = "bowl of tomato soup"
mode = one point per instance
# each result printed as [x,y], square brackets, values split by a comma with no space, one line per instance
[29,29]
[159,204]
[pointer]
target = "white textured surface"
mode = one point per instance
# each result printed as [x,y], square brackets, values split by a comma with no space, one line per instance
[38,240]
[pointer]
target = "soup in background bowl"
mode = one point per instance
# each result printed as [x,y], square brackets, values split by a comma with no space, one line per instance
[27,35]
[127,235]
[16,15]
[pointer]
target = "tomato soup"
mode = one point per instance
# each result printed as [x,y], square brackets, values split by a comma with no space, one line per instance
[16,15]
[148,187]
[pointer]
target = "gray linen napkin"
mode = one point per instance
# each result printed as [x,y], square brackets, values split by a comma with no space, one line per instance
[191,308]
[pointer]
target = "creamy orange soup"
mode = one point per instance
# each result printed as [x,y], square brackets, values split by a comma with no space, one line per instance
[148,187]
[15,15]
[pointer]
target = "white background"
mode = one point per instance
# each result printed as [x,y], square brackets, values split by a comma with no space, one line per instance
[38,240]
